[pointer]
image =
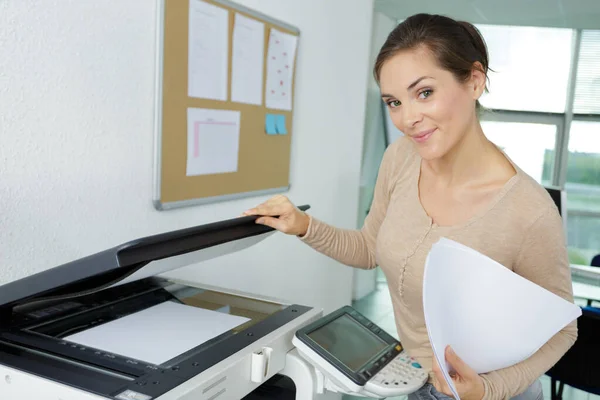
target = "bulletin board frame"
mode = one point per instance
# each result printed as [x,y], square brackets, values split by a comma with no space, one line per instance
[163,202]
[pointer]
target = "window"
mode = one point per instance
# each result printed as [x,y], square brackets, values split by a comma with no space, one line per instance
[531,68]
[583,191]
[584,237]
[583,167]
[539,103]
[587,92]
[530,146]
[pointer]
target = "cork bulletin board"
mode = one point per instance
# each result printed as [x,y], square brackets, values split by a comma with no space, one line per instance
[224,103]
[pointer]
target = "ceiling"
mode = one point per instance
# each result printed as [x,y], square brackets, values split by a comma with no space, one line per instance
[583,14]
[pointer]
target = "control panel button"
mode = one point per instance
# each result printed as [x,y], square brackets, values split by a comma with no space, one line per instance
[416,365]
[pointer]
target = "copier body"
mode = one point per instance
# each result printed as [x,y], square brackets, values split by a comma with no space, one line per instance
[40,312]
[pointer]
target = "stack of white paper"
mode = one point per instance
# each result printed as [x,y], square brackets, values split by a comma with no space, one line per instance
[492,317]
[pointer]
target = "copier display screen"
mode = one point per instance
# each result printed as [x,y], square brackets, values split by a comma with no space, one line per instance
[348,341]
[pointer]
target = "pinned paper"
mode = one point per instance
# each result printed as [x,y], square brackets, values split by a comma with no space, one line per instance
[270,124]
[247,60]
[492,317]
[208,49]
[213,141]
[281,55]
[280,123]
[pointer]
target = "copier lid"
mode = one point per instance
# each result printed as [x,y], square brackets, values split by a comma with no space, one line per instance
[136,259]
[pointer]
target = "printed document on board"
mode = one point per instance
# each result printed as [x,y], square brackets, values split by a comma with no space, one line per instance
[208,51]
[247,60]
[280,70]
[213,141]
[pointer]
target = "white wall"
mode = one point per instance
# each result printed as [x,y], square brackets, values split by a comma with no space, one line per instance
[76,115]
[374,143]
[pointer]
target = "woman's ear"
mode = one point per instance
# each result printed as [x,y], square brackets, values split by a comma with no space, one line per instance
[478,80]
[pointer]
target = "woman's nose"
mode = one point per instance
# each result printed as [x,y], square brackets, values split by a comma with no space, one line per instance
[411,115]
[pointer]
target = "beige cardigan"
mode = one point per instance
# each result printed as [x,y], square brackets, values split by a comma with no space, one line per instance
[521,229]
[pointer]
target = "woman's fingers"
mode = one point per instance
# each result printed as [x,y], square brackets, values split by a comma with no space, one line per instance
[275,206]
[280,214]
[440,382]
[274,223]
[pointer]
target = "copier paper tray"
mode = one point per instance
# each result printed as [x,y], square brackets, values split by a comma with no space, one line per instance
[108,325]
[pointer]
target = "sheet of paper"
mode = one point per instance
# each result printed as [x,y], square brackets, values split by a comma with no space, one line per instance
[280,69]
[213,141]
[208,51]
[247,60]
[492,317]
[172,263]
[159,333]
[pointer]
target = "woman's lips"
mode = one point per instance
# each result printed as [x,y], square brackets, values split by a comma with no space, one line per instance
[423,136]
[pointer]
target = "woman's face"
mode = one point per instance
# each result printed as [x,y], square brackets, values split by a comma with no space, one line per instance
[427,103]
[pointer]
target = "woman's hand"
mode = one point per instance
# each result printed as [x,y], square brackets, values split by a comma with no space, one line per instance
[467,382]
[290,219]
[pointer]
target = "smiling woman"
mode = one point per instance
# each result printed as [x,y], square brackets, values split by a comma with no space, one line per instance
[444,178]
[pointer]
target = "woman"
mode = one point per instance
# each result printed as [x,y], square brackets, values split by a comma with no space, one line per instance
[444,178]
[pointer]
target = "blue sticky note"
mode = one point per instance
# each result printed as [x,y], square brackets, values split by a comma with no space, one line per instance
[270,124]
[281,125]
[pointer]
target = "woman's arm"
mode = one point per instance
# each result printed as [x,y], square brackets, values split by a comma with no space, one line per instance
[356,248]
[543,259]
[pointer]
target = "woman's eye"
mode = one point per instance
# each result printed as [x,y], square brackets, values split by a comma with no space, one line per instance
[393,103]
[425,93]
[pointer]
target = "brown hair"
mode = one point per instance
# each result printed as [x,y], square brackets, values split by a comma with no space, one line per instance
[456,45]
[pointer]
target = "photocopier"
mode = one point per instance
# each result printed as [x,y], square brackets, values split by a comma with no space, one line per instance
[112,326]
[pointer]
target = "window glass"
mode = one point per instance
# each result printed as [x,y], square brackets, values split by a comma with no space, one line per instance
[587,89]
[583,191]
[531,67]
[583,237]
[583,167]
[530,146]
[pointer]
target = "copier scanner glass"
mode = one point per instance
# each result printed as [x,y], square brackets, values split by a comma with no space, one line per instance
[192,319]
[357,357]
[348,341]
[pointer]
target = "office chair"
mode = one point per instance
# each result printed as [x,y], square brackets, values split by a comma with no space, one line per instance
[559,197]
[580,366]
